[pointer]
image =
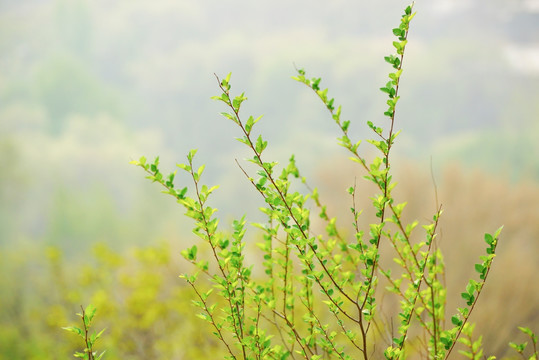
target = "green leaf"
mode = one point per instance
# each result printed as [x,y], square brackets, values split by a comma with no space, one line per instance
[497,233]
[200,170]
[260,144]
[456,321]
[190,253]
[250,123]
[489,239]
[97,336]
[73,329]
[519,347]
[468,297]
[191,155]
[479,268]
[315,83]
[184,167]
[155,165]
[180,194]
[527,331]
[398,32]
[230,117]
[238,100]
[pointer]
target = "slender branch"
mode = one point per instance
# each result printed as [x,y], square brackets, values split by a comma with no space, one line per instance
[213,322]
[280,194]
[310,265]
[231,294]
[86,337]
[468,315]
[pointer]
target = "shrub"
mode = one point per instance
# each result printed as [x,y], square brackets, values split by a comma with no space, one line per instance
[316,295]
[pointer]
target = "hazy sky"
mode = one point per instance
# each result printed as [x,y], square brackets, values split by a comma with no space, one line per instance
[87,86]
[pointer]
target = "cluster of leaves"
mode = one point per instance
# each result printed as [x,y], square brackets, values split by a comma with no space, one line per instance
[281,316]
[520,348]
[87,315]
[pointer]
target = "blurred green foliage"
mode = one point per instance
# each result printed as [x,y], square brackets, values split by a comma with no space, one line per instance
[149,66]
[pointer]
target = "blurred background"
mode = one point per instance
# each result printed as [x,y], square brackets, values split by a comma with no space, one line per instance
[87,86]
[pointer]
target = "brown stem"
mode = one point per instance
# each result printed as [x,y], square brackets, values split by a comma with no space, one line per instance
[86,337]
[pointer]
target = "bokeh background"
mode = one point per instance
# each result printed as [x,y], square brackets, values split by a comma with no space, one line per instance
[87,86]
